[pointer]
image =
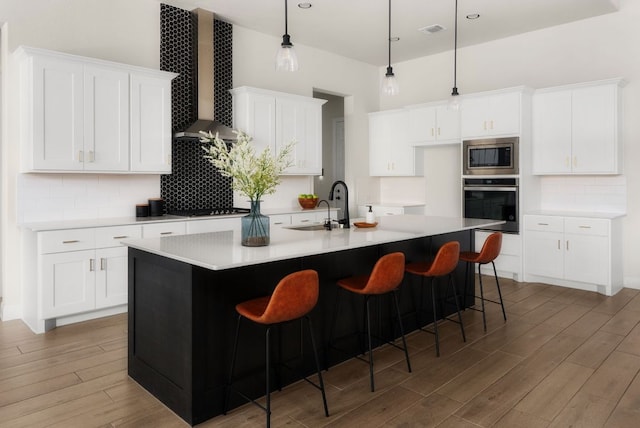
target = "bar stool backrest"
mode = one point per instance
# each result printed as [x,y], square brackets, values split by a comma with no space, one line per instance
[446,259]
[491,248]
[386,275]
[295,296]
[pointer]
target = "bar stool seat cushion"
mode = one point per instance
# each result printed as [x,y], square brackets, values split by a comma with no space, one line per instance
[444,263]
[385,276]
[489,252]
[293,297]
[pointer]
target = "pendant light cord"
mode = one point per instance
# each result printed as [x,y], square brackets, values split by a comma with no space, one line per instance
[286,17]
[389,40]
[455,53]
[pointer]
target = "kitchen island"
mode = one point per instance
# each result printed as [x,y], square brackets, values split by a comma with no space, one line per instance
[183,291]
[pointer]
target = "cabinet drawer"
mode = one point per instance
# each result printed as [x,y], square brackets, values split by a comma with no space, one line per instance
[280,219]
[586,226]
[57,241]
[111,236]
[544,223]
[163,229]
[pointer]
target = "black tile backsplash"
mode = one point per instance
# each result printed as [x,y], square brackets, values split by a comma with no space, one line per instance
[194,183]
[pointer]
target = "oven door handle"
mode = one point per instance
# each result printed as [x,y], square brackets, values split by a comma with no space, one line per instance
[500,189]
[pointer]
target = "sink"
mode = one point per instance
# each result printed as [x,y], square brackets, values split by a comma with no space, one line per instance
[306,227]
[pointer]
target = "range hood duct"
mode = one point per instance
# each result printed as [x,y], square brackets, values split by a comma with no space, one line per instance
[205,82]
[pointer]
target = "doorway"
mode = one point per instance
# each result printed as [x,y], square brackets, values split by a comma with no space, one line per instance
[332,143]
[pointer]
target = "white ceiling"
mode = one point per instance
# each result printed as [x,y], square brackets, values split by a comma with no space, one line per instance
[358,29]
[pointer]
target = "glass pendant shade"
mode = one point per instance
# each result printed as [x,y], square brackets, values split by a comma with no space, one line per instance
[286,58]
[390,83]
[454,100]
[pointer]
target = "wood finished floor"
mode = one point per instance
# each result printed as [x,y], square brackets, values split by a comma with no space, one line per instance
[564,358]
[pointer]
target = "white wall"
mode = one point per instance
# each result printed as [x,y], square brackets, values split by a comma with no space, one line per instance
[587,50]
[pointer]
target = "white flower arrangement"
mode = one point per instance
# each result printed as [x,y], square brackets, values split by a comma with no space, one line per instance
[253,175]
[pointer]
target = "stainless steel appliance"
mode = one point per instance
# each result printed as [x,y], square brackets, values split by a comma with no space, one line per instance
[496,156]
[493,198]
[216,211]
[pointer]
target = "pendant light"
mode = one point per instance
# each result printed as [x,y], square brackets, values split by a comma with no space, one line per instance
[454,102]
[286,58]
[390,83]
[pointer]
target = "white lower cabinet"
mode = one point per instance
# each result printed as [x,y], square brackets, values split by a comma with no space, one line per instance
[81,270]
[158,230]
[509,262]
[577,252]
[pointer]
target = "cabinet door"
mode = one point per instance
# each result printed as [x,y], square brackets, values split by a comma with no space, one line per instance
[473,117]
[421,126]
[300,121]
[111,277]
[150,124]
[379,133]
[259,120]
[587,258]
[544,253]
[390,153]
[106,120]
[552,133]
[594,130]
[504,114]
[68,283]
[58,114]
[448,124]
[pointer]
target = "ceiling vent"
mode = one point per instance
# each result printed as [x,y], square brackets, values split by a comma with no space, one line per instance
[432,29]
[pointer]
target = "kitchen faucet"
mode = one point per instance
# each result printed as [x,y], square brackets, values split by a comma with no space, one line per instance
[327,221]
[344,221]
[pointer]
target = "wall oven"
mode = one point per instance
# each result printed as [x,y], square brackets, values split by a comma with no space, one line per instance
[492,198]
[496,156]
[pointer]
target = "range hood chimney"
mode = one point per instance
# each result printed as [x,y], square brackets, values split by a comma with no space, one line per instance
[206,121]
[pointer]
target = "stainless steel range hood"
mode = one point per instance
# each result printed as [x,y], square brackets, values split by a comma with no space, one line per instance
[206,121]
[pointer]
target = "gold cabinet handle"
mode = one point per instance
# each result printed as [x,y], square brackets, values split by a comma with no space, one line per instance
[103,262]
[575,161]
[91,265]
[166,233]
[567,245]
[438,130]
[558,244]
[92,156]
[584,227]
[72,241]
[543,224]
[491,125]
[484,125]
[80,156]
[432,133]
[120,237]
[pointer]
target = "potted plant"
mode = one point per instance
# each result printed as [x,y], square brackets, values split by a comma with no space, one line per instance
[254,175]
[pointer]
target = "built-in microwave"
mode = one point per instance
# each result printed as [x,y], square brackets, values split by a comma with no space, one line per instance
[495,156]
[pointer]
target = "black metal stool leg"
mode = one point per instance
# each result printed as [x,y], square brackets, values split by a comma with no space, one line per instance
[368,311]
[455,297]
[233,365]
[404,342]
[504,314]
[268,369]
[315,355]
[484,318]
[435,315]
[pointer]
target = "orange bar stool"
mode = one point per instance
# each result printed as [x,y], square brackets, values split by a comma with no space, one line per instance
[490,250]
[385,278]
[293,298]
[443,264]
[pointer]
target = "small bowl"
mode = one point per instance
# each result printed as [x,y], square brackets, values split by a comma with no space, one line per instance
[308,203]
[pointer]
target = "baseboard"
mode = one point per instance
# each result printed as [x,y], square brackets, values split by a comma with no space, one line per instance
[10,312]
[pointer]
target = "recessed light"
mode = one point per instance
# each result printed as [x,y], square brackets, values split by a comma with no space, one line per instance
[473,16]
[305,5]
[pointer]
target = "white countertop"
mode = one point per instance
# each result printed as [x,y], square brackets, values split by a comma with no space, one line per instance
[125,221]
[222,250]
[582,214]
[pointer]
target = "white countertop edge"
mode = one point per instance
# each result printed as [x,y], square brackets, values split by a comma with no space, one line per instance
[581,214]
[222,250]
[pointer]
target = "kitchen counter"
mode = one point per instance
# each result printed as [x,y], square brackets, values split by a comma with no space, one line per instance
[183,291]
[222,250]
[125,221]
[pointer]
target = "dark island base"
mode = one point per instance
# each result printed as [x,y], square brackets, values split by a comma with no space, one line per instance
[182,320]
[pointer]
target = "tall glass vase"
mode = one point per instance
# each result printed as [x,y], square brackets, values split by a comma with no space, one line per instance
[255,227]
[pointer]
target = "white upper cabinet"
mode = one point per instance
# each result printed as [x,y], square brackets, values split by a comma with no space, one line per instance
[150,124]
[390,153]
[82,114]
[576,129]
[432,125]
[494,114]
[273,119]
